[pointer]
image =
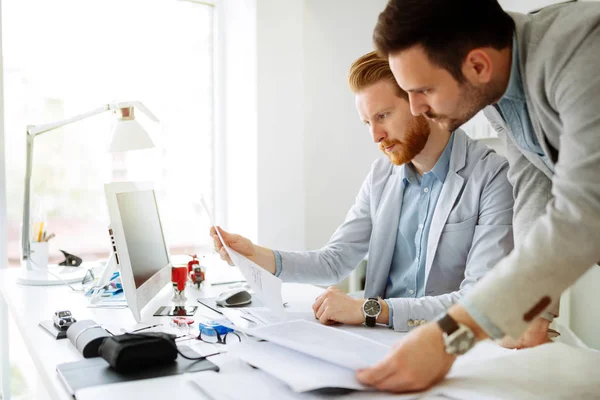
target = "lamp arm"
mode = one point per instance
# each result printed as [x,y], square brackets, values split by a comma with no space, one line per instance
[32,132]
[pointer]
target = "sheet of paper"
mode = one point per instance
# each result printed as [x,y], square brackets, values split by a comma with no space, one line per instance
[300,371]
[265,285]
[326,343]
[254,384]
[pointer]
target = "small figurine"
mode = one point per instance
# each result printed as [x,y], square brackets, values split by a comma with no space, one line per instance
[63,319]
[196,271]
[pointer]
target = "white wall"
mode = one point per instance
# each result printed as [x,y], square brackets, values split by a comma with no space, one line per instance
[338,149]
[281,204]
[296,151]
[3,237]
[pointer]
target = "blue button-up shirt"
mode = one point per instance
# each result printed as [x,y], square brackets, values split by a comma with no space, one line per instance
[421,193]
[513,109]
[407,272]
[419,199]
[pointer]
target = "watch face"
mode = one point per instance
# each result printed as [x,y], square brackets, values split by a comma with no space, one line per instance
[460,341]
[372,308]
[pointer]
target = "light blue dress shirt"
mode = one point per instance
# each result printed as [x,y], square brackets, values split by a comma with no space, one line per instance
[421,193]
[407,271]
[513,109]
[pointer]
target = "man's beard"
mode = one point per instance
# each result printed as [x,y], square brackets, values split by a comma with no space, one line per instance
[414,141]
[472,100]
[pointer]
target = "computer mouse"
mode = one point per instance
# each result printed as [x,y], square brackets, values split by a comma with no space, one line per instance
[234,297]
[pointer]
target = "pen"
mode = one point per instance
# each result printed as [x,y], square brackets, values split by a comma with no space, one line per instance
[207,306]
[143,329]
[226,283]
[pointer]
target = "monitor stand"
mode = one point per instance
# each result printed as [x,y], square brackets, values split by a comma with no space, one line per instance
[109,269]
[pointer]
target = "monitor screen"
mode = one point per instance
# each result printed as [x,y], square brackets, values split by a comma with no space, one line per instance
[143,234]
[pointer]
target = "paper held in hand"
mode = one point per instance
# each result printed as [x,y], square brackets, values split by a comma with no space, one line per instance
[265,285]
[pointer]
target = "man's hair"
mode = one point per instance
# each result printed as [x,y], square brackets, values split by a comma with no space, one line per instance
[370,69]
[446,29]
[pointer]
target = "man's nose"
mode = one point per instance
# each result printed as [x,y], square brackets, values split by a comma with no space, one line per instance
[417,104]
[378,133]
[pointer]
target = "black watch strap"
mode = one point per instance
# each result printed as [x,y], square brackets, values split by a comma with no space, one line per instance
[371,321]
[448,324]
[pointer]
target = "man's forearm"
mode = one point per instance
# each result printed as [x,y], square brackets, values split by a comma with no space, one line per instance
[264,257]
[461,316]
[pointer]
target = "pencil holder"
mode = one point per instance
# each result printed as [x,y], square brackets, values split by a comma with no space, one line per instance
[39,255]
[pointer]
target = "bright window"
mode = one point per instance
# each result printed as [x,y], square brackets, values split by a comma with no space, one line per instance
[65,57]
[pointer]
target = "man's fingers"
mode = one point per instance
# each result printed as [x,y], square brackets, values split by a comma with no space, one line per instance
[324,318]
[378,373]
[318,302]
[321,309]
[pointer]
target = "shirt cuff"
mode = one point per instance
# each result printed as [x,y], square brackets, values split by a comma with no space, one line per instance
[278,263]
[391,312]
[483,321]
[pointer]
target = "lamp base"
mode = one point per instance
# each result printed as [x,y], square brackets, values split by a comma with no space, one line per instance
[41,277]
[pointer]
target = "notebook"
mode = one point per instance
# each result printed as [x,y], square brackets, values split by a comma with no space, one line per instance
[96,371]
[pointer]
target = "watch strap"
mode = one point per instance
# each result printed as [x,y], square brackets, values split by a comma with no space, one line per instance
[371,321]
[447,324]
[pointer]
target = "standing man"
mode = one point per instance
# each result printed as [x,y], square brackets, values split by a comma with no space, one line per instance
[537,78]
[433,215]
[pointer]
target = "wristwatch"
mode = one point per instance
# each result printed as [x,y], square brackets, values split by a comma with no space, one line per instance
[458,338]
[371,310]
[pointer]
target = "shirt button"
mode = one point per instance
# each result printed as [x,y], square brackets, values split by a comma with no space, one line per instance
[420,226]
[426,190]
[410,322]
[423,322]
[411,291]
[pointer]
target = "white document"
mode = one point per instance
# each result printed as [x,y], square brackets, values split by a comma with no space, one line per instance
[244,385]
[549,371]
[338,347]
[300,371]
[265,285]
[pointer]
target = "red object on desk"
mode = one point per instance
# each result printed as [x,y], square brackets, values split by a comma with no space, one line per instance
[179,275]
[193,263]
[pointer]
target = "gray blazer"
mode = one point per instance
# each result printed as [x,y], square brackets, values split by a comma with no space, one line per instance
[557,216]
[471,230]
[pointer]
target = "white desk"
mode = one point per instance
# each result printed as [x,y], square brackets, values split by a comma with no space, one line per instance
[30,304]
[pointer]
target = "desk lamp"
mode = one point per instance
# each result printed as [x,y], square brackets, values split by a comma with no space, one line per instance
[128,135]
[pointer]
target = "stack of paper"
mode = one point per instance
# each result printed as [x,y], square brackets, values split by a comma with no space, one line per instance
[308,356]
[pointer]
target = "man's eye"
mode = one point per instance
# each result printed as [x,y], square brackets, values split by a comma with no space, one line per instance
[381,117]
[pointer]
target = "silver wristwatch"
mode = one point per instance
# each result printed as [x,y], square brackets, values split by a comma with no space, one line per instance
[458,338]
[371,310]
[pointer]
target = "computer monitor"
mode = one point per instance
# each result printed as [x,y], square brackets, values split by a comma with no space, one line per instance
[138,241]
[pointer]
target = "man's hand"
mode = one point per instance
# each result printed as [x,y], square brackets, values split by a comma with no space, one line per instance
[417,362]
[536,334]
[259,255]
[236,242]
[336,306]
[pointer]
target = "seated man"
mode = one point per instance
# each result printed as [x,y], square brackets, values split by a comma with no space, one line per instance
[433,217]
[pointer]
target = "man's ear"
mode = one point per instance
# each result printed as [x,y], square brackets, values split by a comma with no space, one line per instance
[477,66]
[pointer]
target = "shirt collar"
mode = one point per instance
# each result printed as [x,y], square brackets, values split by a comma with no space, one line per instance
[439,170]
[514,90]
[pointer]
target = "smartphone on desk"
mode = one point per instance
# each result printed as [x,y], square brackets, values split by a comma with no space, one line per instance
[176,311]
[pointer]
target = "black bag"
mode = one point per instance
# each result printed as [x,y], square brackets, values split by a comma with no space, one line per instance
[134,351]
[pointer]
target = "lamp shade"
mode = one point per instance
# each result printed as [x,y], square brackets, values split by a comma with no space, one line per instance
[129,135]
